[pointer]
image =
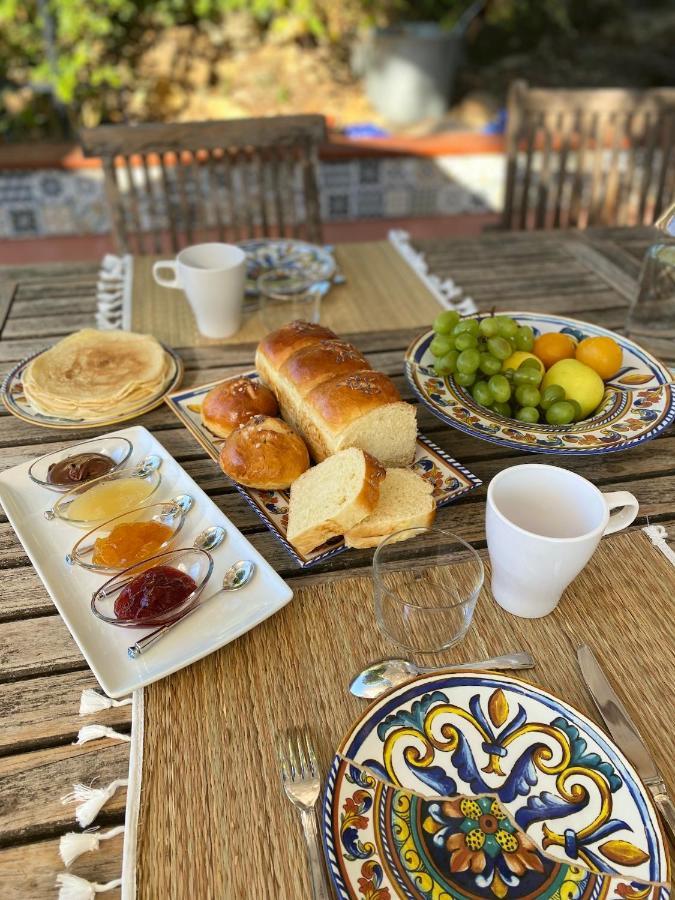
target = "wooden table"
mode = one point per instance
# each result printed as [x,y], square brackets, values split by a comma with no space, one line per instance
[590,276]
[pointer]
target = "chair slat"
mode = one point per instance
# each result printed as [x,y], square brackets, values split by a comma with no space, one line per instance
[651,129]
[170,205]
[134,205]
[214,189]
[531,134]
[544,174]
[275,166]
[564,135]
[152,206]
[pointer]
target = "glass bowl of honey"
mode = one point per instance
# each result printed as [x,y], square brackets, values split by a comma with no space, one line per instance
[62,470]
[94,502]
[155,592]
[132,537]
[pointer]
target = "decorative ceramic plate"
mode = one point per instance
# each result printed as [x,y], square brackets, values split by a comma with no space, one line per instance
[449,478]
[639,401]
[466,785]
[263,254]
[16,402]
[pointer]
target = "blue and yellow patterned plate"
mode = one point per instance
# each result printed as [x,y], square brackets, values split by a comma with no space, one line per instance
[449,478]
[263,254]
[639,401]
[474,785]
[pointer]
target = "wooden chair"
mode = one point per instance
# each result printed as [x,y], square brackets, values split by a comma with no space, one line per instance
[220,180]
[588,157]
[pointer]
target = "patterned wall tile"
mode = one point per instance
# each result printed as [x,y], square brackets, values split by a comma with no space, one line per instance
[55,202]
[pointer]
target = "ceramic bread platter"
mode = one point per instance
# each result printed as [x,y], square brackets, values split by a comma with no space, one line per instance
[477,785]
[104,646]
[639,400]
[450,479]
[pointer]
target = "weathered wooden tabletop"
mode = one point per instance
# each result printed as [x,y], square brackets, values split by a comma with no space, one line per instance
[42,673]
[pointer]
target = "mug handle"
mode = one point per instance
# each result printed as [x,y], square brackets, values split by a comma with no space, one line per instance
[628,513]
[166,264]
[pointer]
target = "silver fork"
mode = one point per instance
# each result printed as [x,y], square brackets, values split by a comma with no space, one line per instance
[301,781]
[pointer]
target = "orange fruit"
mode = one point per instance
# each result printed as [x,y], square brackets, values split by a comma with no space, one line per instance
[602,354]
[554,346]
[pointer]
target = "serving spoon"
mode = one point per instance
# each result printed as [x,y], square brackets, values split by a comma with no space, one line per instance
[238,575]
[378,677]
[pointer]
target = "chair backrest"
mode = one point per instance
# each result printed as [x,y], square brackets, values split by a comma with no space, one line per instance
[188,181]
[588,157]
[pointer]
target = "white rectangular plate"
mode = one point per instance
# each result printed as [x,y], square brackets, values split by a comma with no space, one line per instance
[449,478]
[220,621]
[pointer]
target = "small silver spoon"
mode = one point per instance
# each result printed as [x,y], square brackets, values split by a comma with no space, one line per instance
[236,577]
[210,538]
[387,673]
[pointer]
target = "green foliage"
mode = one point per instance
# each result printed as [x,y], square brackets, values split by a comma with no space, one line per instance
[92,69]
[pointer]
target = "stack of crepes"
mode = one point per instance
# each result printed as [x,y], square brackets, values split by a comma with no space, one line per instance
[97,374]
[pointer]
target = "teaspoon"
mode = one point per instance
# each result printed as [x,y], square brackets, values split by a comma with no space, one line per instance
[236,577]
[380,676]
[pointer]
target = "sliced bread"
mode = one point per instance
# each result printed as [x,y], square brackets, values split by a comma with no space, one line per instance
[332,497]
[405,502]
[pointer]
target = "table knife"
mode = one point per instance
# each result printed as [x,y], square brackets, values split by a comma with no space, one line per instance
[625,734]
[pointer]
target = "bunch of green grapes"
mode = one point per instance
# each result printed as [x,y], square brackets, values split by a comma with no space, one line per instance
[473,352]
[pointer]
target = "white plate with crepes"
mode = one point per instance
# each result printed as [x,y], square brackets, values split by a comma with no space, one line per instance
[104,646]
[17,401]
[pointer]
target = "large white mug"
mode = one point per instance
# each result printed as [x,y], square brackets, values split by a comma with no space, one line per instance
[543,524]
[213,278]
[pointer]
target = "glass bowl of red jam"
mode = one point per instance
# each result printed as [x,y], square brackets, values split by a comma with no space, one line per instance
[62,470]
[154,592]
[132,537]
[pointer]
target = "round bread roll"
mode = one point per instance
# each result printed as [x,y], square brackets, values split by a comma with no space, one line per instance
[235,402]
[265,454]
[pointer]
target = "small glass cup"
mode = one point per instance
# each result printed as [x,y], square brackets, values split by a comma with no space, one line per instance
[651,316]
[287,295]
[426,583]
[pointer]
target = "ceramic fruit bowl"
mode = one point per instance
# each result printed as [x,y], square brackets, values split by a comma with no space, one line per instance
[639,401]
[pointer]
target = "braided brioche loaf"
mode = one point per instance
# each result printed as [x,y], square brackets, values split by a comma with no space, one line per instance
[329,394]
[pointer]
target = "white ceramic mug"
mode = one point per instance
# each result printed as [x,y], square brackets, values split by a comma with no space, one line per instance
[213,277]
[543,524]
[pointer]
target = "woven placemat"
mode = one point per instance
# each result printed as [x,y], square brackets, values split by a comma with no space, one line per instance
[214,822]
[381,292]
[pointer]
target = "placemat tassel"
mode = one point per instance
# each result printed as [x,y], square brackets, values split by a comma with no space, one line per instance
[91,800]
[71,887]
[75,843]
[94,732]
[658,535]
[91,701]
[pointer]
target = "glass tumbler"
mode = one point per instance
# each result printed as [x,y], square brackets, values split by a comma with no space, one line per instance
[651,318]
[286,295]
[426,583]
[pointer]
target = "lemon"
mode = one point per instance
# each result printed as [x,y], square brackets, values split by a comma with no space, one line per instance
[519,356]
[579,382]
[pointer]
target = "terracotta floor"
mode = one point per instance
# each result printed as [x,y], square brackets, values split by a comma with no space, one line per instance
[86,247]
